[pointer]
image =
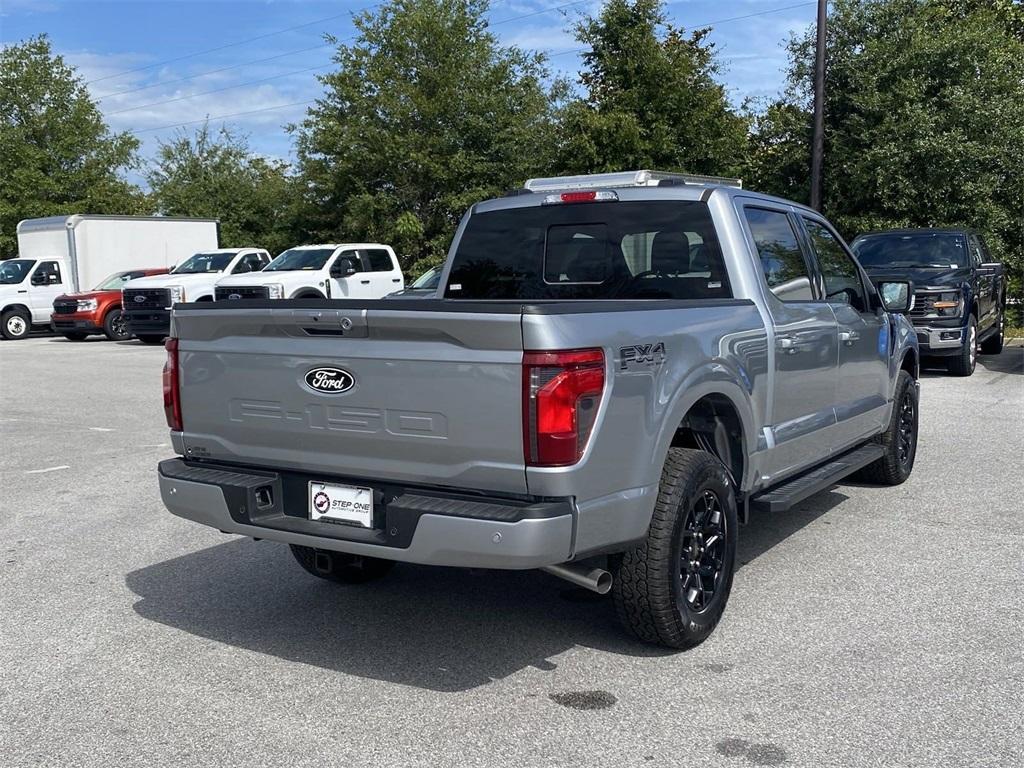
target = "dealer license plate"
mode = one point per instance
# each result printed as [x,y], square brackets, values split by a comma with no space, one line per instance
[341,504]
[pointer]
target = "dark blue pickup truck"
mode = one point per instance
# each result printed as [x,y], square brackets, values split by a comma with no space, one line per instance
[959,292]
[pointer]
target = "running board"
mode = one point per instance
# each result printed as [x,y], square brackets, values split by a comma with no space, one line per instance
[782,497]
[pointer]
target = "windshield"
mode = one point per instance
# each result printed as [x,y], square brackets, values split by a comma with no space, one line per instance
[14,271]
[915,249]
[204,262]
[116,280]
[300,258]
[613,250]
[428,279]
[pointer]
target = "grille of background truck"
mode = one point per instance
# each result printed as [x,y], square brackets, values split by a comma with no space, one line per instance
[242,292]
[65,307]
[154,298]
[924,304]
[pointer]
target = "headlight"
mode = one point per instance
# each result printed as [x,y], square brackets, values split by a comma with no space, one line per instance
[177,294]
[275,291]
[947,304]
[87,305]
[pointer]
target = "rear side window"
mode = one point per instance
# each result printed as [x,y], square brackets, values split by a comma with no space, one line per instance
[613,250]
[778,251]
[377,260]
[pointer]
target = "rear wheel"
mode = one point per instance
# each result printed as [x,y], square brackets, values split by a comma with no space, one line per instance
[148,338]
[340,567]
[115,326]
[963,363]
[74,336]
[672,589]
[993,345]
[899,440]
[15,324]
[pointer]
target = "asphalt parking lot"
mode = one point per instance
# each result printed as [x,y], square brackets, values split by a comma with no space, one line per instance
[868,627]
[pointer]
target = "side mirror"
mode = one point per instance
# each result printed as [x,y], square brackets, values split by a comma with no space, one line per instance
[991,268]
[896,295]
[344,267]
[39,278]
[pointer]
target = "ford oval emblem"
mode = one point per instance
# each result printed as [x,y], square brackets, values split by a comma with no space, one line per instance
[235,296]
[330,381]
[139,299]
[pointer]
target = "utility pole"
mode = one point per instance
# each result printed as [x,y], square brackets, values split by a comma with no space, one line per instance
[818,142]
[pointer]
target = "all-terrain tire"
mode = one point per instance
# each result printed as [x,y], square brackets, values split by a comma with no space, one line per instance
[15,324]
[115,326]
[340,567]
[993,345]
[963,363]
[148,338]
[649,588]
[898,462]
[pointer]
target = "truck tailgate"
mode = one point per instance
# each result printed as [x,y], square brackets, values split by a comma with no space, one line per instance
[436,397]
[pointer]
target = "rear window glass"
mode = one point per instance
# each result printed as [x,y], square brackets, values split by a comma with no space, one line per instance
[613,250]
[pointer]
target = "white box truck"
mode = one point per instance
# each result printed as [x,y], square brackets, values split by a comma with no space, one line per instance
[68,254]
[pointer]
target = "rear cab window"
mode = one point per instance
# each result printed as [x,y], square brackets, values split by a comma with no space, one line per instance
[591,251]
[377,260]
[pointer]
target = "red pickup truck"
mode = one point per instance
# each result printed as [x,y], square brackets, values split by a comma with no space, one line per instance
[77,315]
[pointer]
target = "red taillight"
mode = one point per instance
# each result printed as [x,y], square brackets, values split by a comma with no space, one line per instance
[172,399]
[561,392]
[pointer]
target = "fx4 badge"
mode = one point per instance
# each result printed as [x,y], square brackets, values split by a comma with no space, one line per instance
[642,356]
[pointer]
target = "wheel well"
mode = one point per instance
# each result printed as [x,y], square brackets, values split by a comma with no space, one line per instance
[713,424]
[310,293]
[910,364]
[20,307]
[205,298]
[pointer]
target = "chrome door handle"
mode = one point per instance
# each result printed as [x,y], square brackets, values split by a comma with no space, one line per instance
[848,336]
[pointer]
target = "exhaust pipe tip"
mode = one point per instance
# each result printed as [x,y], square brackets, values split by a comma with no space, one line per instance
[595,579]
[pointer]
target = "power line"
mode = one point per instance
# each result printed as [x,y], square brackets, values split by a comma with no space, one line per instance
[228,45]
[223,117]
[215,90]
[212,71]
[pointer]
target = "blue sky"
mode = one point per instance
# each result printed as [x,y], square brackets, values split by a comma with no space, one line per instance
[149,64]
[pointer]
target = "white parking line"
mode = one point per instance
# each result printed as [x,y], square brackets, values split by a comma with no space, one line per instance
[101,429]
[48,469]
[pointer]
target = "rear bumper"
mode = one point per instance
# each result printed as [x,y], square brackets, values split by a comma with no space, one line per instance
[937,340]
[146,322]
[425,526]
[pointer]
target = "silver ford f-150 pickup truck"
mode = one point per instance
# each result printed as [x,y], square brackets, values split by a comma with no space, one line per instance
[614,371]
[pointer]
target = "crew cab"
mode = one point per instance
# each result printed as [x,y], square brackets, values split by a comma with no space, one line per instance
[148,301]
[349,271]
[79,315]
[617,369]
[959,292]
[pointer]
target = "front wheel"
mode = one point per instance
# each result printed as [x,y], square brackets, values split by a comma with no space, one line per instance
[15,324]
[672,589]
[148,338]
[993,345]
[965,360]
[115,326]
[899,439]
[340,567]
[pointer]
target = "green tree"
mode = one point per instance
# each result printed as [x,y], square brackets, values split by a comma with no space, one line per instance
[924,119]
[425,115]
[651,98]
[57,155]
[215,175]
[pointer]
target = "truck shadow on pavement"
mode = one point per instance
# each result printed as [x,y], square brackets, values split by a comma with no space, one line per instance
[442,629]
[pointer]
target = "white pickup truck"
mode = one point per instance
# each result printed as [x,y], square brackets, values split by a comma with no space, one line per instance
[148,301]
[346,271]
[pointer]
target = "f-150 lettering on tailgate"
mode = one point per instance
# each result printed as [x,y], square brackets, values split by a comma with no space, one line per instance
[344,419]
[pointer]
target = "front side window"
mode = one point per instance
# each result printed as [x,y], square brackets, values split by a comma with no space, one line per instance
[590,251]
[251,262]
[779,254]
[838,269]
[48,273]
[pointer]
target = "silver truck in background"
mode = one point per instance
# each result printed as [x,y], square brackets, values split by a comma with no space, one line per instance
[615,370]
